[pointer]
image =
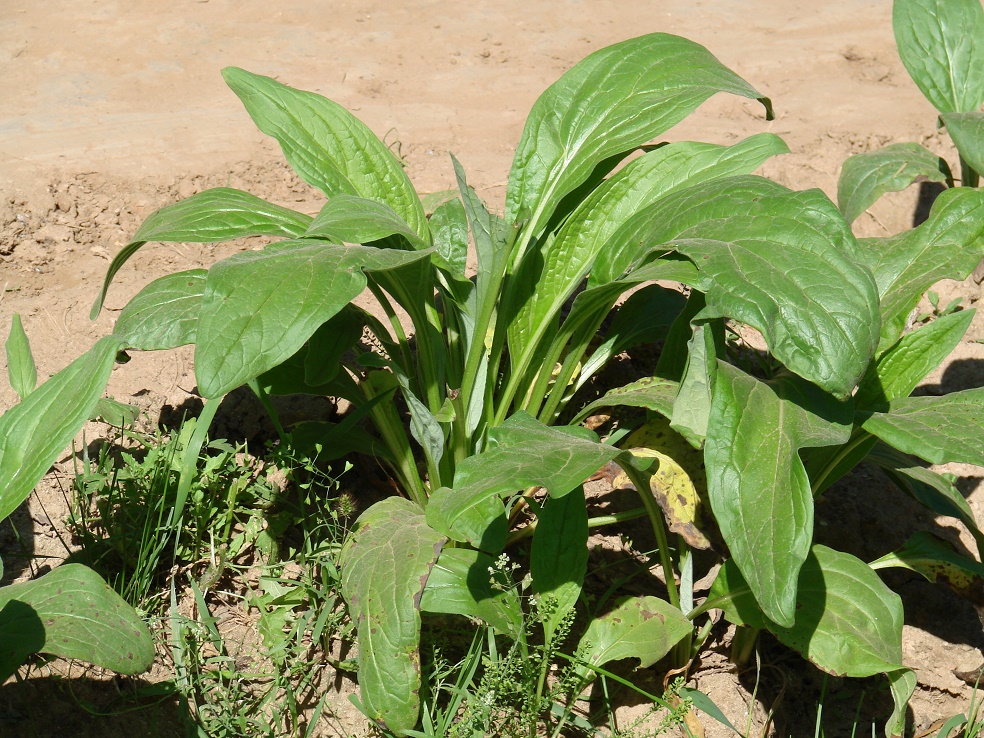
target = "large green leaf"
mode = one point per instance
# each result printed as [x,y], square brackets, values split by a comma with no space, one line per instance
[522,453]
[866,177]
[780,261]
[900,369]
[611,102]
[21,371]
[259,307]
[327,146]
[164,314]
[385,563]
[967,132]
[466,582]
[757,485]
[34,432]
[568,258]
[848,622]
[936,429]
[644,628]
[220,214]
[559,557]
[72,613]
[941,43]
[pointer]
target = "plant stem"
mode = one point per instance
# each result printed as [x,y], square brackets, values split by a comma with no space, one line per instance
[641,482]
[743,645]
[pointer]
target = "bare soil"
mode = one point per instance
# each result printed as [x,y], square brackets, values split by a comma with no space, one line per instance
[113,109]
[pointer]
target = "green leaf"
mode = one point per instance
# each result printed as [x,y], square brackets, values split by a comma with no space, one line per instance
[932,490]
[220,214]
[652,393]
[645,628]
[900,369]
[329,343]
[941,43]
[757,485]
[259,307]
[692,405]
[72,613]
[559,557]
[461,583]
[587,234]
[947,246]
[327,146]
[611,102]
[114,413]
[449,230]
[902,682]
[164,314]
[20,361]
[937,561]
[645,317]
[936,429]
[866,177]
[522,453]
[848,622]
[34,432]
[350,219]
[780,261]
[967,132]
[385,563]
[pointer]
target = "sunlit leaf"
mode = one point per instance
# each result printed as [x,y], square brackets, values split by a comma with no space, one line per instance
[385,562]
[559,557]
[21,371]
[164,314]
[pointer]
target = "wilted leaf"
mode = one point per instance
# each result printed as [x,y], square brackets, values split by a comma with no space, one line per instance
[938,561]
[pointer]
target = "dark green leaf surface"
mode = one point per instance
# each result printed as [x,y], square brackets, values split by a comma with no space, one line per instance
[559,556]
[586,234]
[21,371]
[164,314]
[866,177]
[449,230]
[947,246]
[259,307]
[611,102]
[644,628]
[72,613]
[941,43]
[34,432]
[967,132]
[327,146]
[936,429]
[780,261]
[848,622]
[898,371]
[526,453]
[220,214]
[758,487]
[385,563]
[461,584]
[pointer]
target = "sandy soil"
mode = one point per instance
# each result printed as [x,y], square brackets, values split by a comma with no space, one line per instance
[113,109]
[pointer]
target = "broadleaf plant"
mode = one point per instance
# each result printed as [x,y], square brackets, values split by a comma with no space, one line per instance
[473,400]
